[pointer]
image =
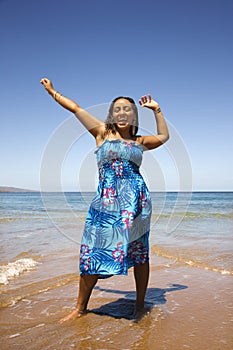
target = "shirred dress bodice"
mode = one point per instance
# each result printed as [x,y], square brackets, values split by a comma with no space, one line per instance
[125,150]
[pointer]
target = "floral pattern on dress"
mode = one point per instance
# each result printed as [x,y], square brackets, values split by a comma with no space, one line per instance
[117,226]
[129,145]
[112,155]
[119,254]
[101,173]
[127,219]
[109,196]
[117,166]
[85,257]
[138,252]
[142,200]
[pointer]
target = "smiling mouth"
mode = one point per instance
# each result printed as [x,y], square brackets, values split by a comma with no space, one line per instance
[122,121]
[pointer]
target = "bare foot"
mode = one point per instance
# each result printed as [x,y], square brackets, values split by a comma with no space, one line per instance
[76,313]
[139,313]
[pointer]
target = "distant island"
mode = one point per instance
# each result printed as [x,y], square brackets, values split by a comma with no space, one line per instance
[14,189]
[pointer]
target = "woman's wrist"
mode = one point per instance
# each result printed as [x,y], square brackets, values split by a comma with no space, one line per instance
[157,110]
[51,91]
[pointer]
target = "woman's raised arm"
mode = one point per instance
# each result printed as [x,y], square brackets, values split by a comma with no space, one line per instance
[94,125]
[156,140]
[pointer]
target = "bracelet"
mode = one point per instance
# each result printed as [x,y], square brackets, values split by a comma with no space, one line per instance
[158,110]
[60,95]
[55,94]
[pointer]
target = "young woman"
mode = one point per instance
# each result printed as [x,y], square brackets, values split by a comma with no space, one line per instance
[117,226]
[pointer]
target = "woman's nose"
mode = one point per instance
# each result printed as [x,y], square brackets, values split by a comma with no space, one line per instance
[122,111]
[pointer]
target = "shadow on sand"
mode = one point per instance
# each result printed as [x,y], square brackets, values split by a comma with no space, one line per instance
[124,307]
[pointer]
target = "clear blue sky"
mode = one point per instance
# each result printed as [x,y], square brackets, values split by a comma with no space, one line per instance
[180,51]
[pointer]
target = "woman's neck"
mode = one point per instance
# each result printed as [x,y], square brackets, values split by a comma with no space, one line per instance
[124,134]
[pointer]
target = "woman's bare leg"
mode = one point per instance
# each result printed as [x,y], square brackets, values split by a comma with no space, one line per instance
[141,275]
[86,285]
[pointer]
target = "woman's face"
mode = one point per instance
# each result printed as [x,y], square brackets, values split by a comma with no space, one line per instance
[123,114]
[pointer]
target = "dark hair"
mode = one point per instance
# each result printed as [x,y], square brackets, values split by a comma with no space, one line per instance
[110,126]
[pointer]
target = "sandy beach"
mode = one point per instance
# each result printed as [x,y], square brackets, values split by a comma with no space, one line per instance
[188,308]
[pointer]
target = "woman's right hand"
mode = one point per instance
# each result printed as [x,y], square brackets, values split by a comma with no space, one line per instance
[47,85]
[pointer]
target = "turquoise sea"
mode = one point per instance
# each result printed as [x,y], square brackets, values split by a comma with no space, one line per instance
[193,228]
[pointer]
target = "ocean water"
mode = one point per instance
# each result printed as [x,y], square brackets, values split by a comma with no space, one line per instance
[37,229]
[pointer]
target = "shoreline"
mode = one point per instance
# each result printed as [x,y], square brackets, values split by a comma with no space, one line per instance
[12,189]
[189,297]
[189,308]
[6,189]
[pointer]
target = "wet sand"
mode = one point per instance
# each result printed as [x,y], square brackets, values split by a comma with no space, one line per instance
[188,308]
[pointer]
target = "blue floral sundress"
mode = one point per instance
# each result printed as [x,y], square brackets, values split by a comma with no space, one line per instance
[117,226]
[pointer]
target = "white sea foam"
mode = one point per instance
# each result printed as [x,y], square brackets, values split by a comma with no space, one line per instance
[14,269]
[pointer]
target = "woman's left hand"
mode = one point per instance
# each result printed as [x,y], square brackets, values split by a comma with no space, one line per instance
[147,101]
